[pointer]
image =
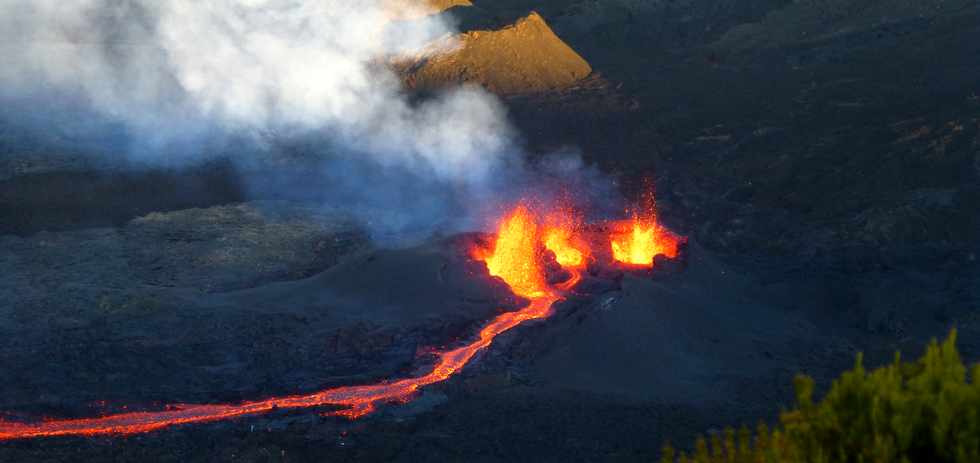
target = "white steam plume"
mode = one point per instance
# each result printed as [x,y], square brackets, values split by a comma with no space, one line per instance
[177,73]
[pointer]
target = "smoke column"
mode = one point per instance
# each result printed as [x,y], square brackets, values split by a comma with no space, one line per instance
[177,81]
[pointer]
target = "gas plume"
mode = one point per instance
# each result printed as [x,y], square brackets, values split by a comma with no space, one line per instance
[175,82]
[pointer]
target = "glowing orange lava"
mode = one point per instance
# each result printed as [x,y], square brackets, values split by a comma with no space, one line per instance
[559,238]
[515,258]
[638,240]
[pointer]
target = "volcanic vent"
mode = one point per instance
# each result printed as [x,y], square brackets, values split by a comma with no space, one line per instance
[519,254]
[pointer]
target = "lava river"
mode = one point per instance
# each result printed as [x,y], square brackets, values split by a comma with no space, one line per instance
[515,257]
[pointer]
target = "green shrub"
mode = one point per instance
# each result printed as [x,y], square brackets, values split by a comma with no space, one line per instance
[923,411]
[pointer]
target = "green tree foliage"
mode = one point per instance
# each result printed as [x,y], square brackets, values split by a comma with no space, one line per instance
[922,411]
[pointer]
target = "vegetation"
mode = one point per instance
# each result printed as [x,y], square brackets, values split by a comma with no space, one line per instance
[923,411]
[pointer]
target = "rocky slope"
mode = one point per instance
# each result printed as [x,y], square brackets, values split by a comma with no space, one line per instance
[523,57]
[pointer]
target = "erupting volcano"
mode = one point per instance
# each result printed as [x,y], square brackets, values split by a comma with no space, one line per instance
[516,256]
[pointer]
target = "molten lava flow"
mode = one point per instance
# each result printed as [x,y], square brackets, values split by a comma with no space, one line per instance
[515,258]
[559,238]
[638,240]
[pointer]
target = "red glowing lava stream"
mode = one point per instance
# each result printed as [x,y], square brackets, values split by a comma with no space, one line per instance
[359,400]
[514,259]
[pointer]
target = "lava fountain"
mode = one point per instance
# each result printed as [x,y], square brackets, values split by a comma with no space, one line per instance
[637,240]
[516,255]
[515,258]
[560,237]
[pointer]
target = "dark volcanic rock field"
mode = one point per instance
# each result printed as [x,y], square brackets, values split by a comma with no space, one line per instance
[823,157]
